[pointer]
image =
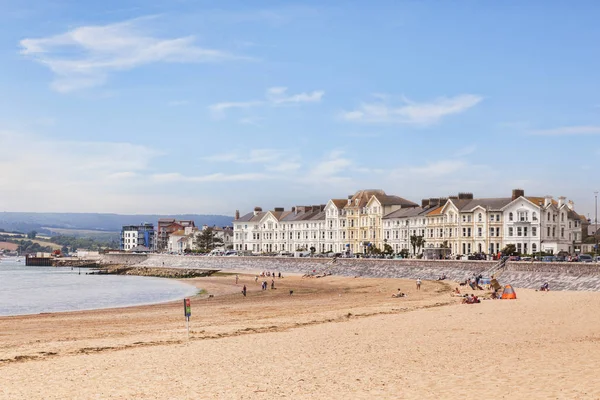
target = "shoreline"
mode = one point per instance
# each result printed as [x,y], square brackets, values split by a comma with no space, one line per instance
[335,337]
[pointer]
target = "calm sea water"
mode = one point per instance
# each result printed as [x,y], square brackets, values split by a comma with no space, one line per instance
[33,290]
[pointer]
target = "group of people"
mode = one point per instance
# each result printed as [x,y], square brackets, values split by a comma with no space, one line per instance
[270,274]
[265,285]
[471,299]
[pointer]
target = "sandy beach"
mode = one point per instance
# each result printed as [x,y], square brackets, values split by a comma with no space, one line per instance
[334,338]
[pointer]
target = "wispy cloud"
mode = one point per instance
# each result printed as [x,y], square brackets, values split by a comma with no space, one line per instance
[569,131]
[274,96]
[412,113]
[86,56]
[330,169]
[216,177]
[465,151]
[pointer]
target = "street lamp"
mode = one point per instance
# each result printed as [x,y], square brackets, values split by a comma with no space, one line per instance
[596,221]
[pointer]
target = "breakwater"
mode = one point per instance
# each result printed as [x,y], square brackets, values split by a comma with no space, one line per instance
[561,276]
[177,273]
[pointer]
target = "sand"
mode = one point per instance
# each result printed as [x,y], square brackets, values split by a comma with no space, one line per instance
[334,338]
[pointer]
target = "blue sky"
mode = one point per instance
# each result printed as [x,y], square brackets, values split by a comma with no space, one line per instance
[204,107]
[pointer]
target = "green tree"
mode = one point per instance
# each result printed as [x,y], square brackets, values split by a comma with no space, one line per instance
[417,242]
[387,249]
[404,253]
[207,239]
[31,235]
[509,250]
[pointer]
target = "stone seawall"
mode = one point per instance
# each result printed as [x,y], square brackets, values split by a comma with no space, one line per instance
[411,269]
[561,276]
[178,273]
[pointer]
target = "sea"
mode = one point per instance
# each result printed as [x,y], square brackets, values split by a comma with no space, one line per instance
[33,290]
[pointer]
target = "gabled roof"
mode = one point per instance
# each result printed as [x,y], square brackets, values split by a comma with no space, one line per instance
[250,217]
[339,203]
[363,197]
[540,200]
[435,211]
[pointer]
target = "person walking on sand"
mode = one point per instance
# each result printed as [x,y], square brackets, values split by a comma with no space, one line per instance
[272,284]
[256,278]
[237,278]
[418,283]
[244,290]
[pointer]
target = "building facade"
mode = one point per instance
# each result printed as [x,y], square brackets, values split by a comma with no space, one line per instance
[452,226]
[138,236]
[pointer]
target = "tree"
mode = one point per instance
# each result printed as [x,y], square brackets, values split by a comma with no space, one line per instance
[509,250]
[387,249]
[31,235]
[207,239]
[312,249]
[417,242]
[404,253]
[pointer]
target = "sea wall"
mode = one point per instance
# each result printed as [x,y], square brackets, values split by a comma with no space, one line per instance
[560,276]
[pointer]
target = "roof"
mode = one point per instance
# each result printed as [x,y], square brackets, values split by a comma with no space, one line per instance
[250,217]
[494,204]
[363,197]
[407,212]
[178,233]
[339,203]
[539,200]
[436,211]
[387,200]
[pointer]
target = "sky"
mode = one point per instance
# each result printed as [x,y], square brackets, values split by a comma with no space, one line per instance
[180,106]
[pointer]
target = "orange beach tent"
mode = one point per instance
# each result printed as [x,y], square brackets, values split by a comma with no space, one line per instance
[509,293]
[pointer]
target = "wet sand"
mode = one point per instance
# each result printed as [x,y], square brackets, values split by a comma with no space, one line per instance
[335,337]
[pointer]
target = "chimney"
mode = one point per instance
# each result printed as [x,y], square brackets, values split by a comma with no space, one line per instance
[453,197]
[323,207]
[516,193]
[257,210]
[293,210]
[350,200]
[465,196]
[424,203]
[237,214]
[278,209]
[561,201]
[547,200]
[433,202]
[571,205]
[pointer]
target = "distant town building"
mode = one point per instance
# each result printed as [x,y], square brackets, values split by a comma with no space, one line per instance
[138,237]
[168,226]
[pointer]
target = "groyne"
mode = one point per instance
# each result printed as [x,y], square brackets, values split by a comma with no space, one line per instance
[177,273]
[561,276]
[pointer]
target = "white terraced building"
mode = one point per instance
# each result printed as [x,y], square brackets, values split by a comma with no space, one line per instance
[459,225]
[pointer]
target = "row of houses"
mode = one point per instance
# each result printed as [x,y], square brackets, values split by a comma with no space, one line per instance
[172,236]
[454,225]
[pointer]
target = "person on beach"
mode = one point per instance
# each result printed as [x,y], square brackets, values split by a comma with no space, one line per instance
[256,278]
[418,283]
[237,278]
[244,290]
[272,284]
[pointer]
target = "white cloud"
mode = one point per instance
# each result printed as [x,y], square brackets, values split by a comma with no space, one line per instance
[216,177]
[465,151]
[569,131]
[275,96]
[329,170]
[412,113]
[86,56]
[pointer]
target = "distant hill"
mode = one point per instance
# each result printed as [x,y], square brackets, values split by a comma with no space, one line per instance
[26,221]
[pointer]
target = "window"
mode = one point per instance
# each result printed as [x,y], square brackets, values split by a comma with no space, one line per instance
[562,217]
[519,247]
[548,216]
[534,216]
[562,232]
[533,231]
[479,231]
[510,231]
[464,232]
[534,247]
[519,231]
[479,217]
[524,231]
[553,231]
[548,232]
[510,216]
[491,231]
